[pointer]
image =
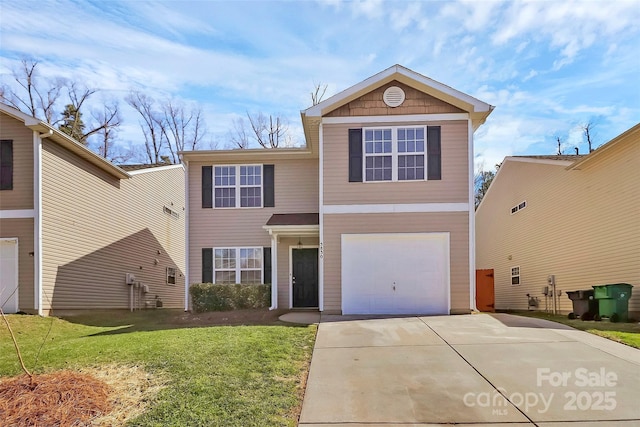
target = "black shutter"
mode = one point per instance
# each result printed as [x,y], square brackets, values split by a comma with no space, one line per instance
[434,155]
[266,262]
[355,155]
[207,186]
[207,265]
[268,186]
[6,164]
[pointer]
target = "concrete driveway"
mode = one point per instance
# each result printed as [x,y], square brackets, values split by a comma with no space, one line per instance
[476,369]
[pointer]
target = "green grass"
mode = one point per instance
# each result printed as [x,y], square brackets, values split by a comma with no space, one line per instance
[626,333]
[217,376]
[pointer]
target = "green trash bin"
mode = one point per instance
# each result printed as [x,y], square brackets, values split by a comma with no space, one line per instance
[613,299]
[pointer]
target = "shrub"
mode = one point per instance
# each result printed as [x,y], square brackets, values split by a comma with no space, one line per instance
[213,297]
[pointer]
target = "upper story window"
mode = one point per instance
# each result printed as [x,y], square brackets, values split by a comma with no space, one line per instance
[6,164]
[238,186]
[395,153]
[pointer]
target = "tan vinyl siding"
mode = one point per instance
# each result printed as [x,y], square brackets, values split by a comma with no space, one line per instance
[21,197]
[452,188]
[22,228]
[296,191]
[96,228]
[580,225]
[457,224]
[372,104]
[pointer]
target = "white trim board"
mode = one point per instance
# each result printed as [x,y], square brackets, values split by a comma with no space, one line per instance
[396,208]
[420,118]
[17,213]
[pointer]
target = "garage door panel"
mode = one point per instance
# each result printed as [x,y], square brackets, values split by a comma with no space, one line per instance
[395,273]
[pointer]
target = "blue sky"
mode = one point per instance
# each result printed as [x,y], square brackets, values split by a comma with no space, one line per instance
[547,66]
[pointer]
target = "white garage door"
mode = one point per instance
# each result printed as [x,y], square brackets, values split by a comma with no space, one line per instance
[9,275]
[404,273]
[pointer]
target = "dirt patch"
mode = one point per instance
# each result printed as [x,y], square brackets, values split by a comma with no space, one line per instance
[105,396]
[230,318]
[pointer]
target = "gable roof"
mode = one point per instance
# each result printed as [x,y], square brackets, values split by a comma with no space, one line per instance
[64,140]
[478,110]
[632,134]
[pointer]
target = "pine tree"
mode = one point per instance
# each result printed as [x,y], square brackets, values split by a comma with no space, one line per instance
[72,124]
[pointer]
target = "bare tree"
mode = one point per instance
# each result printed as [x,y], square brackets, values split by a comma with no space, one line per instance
[559,145]
[267,131]
[318,93]
[588,131]
[151,124]
[35,97]
[108,120]
[181,129]
[239,136]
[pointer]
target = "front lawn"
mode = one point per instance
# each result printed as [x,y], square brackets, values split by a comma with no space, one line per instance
[214,375]
[626,333]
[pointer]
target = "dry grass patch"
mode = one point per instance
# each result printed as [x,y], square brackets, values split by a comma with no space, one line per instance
[103,396]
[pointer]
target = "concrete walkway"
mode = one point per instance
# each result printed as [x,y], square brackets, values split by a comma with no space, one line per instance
[476,369]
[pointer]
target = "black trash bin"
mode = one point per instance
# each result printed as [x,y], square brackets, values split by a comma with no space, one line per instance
[585,306]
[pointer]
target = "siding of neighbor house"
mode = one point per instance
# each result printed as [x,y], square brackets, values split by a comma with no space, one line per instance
[452,188]
[20,198]
[296,191]
[580,225]
[96,228]
[456,223]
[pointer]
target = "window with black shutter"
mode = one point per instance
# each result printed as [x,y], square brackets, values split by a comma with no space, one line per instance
[266,263]
[434,153]
[355,155]
[268,187]
[6,164]
[207,186]
[207,265]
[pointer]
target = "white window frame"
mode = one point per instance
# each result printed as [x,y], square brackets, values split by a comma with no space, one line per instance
[238,265]
[238,186]
[394,153]
[515,272]
[172,273]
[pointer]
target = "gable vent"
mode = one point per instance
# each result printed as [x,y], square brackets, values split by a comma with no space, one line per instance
[393,96]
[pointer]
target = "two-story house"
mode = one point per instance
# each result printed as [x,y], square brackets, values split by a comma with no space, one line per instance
[78,232]
[373,215]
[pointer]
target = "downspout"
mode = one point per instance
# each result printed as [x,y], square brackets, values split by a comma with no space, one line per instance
[37,219]
[274,271]
[321,219]
[186,234]
[472,223]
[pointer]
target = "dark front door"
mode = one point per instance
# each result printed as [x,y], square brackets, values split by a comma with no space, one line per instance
[305,277]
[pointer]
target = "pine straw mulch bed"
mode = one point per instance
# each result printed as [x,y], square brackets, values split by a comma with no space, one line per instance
[105,396]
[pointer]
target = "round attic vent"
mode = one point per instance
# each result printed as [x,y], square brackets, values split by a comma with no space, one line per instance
[393,96]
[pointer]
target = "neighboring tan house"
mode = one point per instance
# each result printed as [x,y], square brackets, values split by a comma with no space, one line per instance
[72,225]
[573,217]
[373,215]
